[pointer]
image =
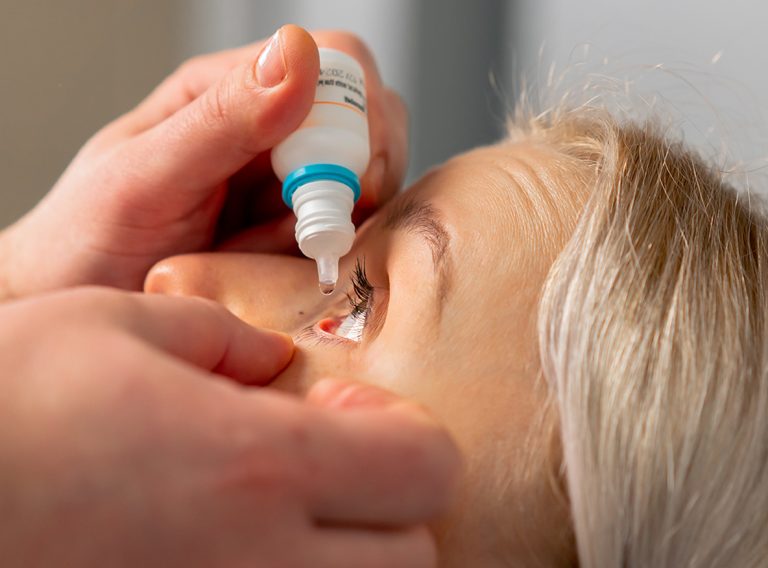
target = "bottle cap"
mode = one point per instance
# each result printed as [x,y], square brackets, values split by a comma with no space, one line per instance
[324,228]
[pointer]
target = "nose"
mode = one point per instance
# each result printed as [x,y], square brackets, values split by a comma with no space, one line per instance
[265,290]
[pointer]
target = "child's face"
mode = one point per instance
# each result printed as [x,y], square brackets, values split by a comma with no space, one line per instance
[456,264]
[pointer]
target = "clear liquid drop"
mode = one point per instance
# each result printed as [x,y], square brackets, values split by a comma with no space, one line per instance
[327,273]
[327,288]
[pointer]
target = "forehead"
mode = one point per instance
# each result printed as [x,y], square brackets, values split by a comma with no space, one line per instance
[499,206]
[506,206]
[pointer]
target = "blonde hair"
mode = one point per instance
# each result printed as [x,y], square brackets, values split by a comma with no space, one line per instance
[652,336]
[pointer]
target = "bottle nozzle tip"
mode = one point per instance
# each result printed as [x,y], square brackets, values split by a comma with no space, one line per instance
[328,273]
[327,288]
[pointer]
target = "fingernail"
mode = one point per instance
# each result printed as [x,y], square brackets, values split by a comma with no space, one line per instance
[279,341]
[270,67]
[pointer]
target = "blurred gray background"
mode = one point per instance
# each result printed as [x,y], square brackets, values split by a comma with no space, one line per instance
[70,67]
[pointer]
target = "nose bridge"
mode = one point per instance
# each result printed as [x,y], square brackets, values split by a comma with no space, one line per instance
[271,291]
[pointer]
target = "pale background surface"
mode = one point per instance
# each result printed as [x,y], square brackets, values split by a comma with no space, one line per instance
[70,67]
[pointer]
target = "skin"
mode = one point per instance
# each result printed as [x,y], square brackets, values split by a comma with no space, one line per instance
[188,169]
[116,421]
[474,363]
[164,462]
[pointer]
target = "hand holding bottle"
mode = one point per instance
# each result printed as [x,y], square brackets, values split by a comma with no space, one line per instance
[188,169]
[320,164]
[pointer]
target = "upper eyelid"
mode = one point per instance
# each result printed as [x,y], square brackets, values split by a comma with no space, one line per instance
[376,309]
[377,312]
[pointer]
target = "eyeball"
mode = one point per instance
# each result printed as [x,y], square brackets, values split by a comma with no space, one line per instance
[351,327]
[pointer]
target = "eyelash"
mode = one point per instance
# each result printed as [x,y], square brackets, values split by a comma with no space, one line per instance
[360,300]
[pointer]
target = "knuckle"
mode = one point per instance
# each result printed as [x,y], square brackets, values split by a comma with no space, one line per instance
[270,462]
[353,41]
[216,107]
[434,460]
[191,65]
[233,105]
[89,299]
[396,104]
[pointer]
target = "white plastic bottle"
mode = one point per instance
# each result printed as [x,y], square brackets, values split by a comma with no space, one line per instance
[320,164]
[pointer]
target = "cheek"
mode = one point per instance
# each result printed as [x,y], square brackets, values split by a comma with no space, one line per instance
[401,361]
[483,401]
[314,363]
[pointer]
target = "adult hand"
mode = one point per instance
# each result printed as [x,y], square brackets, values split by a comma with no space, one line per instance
[188,169]
[120,445]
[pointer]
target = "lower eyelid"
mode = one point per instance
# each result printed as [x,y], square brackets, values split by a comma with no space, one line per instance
[317,334]
[310,335]
[304,334]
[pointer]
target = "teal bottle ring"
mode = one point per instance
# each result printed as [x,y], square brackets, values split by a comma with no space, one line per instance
[317,172]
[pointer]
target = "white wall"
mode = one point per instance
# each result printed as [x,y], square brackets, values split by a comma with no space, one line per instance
[437,54]
[70,66]
[706,60]
[67,68]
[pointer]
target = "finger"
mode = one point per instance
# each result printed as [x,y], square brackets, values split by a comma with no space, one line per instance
[389,152]
[229,124]
[379,460]
[399,143]
[208,336]
[384,177]
[347,548]
[196,75]
[254,197]
[388,123]
[199,73]
[190,80]
[273,237]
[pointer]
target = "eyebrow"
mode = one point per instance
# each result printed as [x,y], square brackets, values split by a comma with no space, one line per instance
[420,218]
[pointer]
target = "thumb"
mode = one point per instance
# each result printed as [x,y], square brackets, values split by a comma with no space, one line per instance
[249,111]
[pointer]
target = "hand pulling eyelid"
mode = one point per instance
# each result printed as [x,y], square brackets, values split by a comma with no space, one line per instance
[320,164]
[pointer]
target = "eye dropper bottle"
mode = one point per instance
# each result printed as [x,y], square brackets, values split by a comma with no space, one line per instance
[320,164]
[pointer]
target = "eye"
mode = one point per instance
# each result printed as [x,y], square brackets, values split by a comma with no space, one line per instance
[352,326]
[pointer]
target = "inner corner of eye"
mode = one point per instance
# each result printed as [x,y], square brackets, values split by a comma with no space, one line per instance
[329,325]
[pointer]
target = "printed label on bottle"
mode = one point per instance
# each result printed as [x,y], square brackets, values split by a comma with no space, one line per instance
[338,86]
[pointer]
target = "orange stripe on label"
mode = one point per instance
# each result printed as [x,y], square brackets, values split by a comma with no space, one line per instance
[345,105]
